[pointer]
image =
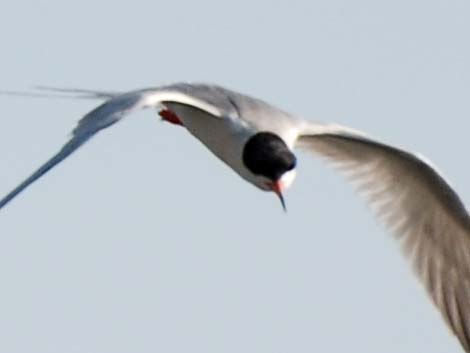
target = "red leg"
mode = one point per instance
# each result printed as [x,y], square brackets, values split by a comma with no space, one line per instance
[169,116]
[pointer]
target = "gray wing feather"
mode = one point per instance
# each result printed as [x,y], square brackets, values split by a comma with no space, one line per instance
[99,118]
[65,151]
[421,209]
[114,110]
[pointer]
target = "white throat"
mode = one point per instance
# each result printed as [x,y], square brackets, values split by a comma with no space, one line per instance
[287,179]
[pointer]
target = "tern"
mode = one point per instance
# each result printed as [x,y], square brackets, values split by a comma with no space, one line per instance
[257,140]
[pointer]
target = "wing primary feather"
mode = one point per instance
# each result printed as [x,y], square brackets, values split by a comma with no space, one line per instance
[65,151]
[417,203]
[207,98]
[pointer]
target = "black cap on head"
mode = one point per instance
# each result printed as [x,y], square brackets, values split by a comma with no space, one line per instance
[267,154]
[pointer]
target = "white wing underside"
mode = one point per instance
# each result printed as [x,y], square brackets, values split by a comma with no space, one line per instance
[419,207]
[117,107]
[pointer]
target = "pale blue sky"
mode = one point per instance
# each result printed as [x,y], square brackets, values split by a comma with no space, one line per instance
[122,250]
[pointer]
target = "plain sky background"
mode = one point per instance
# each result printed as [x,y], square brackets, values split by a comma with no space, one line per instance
[142,241]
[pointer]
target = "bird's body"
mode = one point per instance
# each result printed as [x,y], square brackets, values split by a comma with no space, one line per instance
[240,117]
[257,141]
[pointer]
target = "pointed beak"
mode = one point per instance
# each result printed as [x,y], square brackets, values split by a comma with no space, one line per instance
[277,189]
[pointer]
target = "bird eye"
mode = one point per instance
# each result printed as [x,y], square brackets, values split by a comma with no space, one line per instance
[292,164]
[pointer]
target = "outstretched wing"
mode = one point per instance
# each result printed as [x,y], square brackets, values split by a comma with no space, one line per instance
[420,208]
[117,107]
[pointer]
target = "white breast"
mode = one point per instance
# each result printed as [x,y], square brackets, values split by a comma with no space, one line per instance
[225,137]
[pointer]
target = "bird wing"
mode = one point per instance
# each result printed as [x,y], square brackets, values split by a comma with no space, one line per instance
[201,97]
[417,204]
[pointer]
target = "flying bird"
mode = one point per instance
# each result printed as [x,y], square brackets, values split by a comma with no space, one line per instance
[257,140]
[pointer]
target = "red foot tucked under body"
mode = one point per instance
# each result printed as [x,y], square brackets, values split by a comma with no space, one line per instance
[169,116]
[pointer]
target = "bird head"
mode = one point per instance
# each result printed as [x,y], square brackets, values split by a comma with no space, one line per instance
[271,162]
